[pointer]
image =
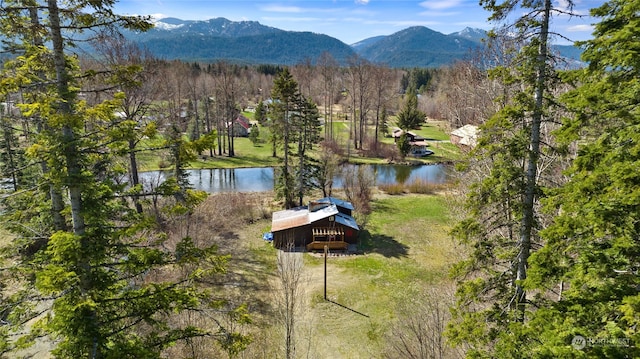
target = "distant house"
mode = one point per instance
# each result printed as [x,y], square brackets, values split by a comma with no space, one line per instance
[326,221]
[241,126]
[465,137]
[418,143]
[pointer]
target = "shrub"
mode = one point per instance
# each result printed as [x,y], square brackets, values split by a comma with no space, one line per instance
[392,188]
[421,186]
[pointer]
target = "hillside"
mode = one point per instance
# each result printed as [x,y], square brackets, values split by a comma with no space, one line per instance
[417,46]
[246,42]
[249,42]
[283,49]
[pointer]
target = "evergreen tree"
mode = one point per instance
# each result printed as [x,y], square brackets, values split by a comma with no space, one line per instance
[404,145]
[12,160]
[307,133]
[180,156]
[298,119]
[410,117]
[254,135]
[100,274]
[285,95]
[592,250]
[502,229]
[261,113]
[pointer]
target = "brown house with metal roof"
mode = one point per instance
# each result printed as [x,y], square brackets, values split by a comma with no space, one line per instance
[326,221]
[417,142]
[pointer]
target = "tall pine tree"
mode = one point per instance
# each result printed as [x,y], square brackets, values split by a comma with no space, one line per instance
[307,134]
[504,220]
[593,244]
[99,279]
[410,117]
[285,95]
[298,120]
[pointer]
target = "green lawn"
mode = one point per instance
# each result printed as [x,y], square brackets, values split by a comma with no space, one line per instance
[406,248]
[260,155]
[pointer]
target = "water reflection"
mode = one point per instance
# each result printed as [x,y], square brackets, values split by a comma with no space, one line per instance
[390,174]
[260,179]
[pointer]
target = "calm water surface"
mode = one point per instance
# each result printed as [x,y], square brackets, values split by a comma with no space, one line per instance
[260,179]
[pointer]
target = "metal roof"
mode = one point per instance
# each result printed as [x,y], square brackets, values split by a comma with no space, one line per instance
[468,134]
[299,216]
[337,202]
[347,221]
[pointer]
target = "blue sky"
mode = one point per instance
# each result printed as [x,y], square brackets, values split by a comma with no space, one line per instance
[351,20]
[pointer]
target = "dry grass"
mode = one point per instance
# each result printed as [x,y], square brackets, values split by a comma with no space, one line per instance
[418,186]
[405,252]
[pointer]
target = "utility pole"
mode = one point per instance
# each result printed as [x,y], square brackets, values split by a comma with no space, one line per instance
[326,251]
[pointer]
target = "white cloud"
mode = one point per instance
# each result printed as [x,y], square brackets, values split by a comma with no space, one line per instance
[293,19]
[396,23]
[156,17]
[565,5]
[580,28]
[577,7]
[296,9]
[362,2]
[440,4]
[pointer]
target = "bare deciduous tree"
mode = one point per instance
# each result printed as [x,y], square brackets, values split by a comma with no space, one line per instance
[419,331]
[289,293]
[359,73]
[328,67]
[357,182]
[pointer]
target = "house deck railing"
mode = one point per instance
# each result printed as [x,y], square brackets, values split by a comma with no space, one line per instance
[333,238]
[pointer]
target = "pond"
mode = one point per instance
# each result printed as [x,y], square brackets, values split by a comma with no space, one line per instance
[260,179]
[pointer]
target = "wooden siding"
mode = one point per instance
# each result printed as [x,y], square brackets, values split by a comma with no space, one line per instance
[303,235]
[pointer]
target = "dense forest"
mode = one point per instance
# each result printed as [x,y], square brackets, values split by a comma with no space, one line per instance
[99,265]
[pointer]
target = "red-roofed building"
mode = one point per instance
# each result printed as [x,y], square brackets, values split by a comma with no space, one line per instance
[241,126]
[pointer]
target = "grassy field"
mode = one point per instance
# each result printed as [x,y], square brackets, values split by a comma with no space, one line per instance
[246,155]
[260,154]
[404,251]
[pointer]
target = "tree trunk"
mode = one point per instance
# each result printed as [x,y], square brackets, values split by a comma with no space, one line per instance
[135,179]
[196,124]
[55,195]
[67,96]
[527,223]
[207,114]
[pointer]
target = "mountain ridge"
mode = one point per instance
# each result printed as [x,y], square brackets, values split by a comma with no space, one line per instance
[250,42]
[418,46]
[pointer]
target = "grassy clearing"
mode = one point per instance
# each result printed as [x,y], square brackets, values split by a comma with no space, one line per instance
[260,155]
[405,248]
[434,131]
[246,155]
